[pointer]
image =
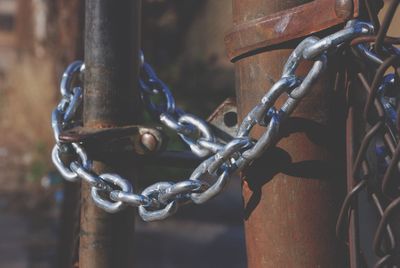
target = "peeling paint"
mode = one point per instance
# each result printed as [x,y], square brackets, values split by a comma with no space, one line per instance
[280,27]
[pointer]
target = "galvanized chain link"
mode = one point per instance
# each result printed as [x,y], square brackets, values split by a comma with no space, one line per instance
[162,199]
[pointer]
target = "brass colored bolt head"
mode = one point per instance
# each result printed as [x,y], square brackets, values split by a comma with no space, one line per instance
[149,141]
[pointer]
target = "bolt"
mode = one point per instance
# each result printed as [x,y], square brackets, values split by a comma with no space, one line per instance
[149,141]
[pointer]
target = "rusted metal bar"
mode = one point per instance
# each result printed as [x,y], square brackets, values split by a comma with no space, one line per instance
[111,100]
[292,195]
[262,30]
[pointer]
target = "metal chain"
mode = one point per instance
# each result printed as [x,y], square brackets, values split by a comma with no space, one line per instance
[162,199]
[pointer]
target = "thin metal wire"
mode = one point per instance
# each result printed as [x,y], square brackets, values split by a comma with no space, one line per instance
[378,133]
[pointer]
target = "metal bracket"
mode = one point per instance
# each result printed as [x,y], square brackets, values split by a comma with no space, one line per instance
[140,139]
[224,120]
[288,25]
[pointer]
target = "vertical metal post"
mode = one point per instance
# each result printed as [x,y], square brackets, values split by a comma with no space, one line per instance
[292,195]
[111,99]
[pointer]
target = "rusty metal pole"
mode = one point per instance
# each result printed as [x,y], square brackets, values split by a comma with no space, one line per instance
[293,194]
[111,99]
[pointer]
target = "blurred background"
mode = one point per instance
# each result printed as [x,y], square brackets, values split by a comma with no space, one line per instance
[183,40]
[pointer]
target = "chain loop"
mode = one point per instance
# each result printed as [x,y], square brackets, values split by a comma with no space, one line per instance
[204,130]
[155,86]
[65,171]
[68,76]
[153,191]
[162,199]
[111,206]
[216,188]
[131,198]
[352,30]
[180,191]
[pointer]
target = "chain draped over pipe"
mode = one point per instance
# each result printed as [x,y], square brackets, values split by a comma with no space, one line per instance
[162,199]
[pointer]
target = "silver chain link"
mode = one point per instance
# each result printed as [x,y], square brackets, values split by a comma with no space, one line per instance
[162,199]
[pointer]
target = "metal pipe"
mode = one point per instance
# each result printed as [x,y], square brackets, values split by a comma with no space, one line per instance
[111,99]
[293,193]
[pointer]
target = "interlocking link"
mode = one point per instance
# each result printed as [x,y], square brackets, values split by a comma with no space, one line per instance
[66,172]
[157,213]
[111,206]
[162,199]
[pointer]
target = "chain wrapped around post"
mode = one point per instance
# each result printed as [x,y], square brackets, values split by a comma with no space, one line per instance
[162,199]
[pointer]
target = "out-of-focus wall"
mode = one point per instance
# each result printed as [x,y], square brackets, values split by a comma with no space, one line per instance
[394,29]
[8,10]
[37,39]
[206,36]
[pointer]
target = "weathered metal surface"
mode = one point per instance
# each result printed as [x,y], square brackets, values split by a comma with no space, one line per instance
[344,9]
[82,134]
[224,119]
[134,138]
[111,99]
[256,31]
[293,193]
